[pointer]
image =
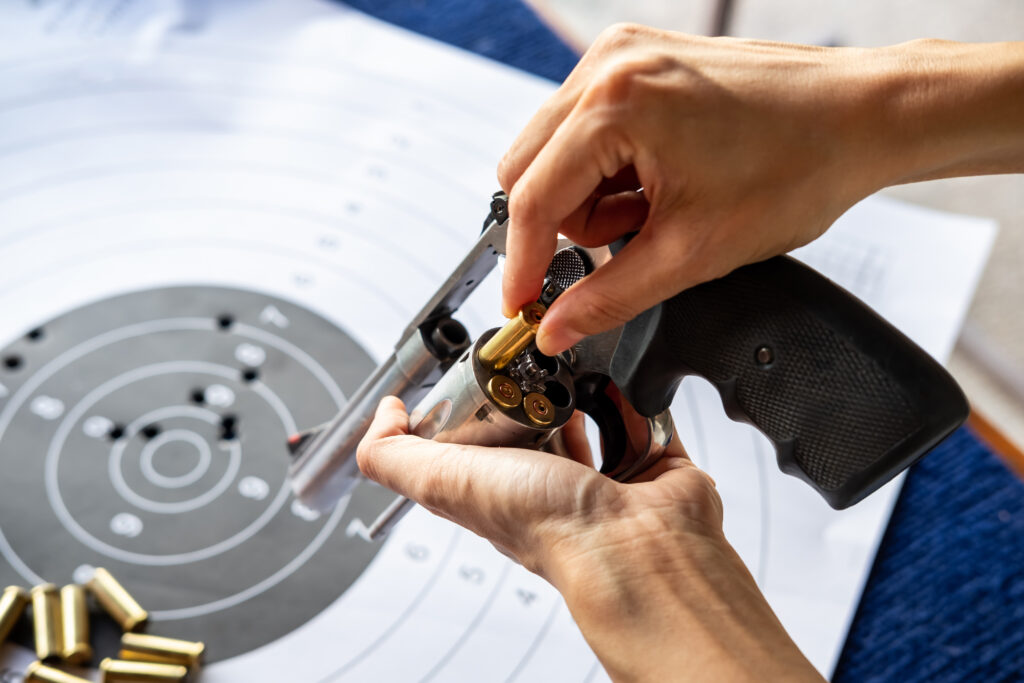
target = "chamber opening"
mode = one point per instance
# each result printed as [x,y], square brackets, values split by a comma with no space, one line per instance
[557,394]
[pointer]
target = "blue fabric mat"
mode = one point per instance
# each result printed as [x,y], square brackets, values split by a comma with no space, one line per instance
[945,599]
[504,30]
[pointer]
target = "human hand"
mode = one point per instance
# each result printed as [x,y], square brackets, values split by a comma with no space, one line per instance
[644,567]
[743,150]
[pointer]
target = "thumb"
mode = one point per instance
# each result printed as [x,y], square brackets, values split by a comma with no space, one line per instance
[506,495]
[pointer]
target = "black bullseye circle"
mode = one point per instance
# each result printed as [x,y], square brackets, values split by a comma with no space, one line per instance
[146,434]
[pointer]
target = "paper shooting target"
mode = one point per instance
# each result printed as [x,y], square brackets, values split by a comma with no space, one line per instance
[145,434]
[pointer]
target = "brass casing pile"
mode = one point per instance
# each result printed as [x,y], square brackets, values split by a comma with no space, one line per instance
[61,626]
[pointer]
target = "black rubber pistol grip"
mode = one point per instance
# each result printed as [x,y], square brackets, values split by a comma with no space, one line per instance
[845,397]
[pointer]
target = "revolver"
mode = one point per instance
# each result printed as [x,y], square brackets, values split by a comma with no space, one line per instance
[846,399]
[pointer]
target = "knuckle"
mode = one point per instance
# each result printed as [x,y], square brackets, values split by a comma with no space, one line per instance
[619,35]
[523,207]
[376,460]
[366,458]
[611,148]
[513,165]
[636,80]
[506,173]
[616,84]
[443,482]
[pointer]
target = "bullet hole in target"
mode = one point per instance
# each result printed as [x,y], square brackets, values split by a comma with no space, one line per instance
[250,374]
[116,432]
[225,321]
[229,427]
[35,334]
[150,431]
[198,396]
[12,362]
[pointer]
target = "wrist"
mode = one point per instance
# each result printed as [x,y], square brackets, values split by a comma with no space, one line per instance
[941,109]
[683,607]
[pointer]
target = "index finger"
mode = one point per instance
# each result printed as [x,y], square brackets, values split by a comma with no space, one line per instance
[562,177]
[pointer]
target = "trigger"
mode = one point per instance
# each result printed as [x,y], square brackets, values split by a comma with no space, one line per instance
[592,400]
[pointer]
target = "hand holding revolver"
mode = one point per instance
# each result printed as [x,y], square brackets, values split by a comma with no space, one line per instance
[717,153]
[657,591]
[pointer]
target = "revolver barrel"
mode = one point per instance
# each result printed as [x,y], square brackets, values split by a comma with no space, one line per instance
[324,469]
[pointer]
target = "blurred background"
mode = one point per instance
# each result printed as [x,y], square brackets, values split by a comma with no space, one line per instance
[989,358]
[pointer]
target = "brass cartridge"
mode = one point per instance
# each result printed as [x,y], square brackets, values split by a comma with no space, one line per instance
[120,671]
[118,602]
[513,338]
[46,621]
[504,391]
[539,409]
[74,614]
[12,604]
[140,647]
[37,672]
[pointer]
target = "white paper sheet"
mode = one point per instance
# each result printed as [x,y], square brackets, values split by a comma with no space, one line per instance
[222,144]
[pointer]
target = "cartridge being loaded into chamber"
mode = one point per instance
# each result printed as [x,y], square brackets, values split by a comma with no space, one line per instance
[12,604]
[120,671]
[141,647]
[74,614]
[46,621]
[37,672]
[118,602]
[512,339]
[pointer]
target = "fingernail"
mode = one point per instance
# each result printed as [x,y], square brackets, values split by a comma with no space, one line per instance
[555,341]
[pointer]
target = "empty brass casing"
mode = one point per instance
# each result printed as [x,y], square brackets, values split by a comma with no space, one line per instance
[118,602]
[120,671]
[37,672]
[46,621]
[74,614]
[12,604]
[513,338]
[140,647]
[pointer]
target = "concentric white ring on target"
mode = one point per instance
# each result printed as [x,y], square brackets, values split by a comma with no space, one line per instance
[157,478]
[76,412]
[117,451]
[83,406]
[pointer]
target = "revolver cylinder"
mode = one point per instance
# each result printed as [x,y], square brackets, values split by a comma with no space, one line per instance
[475,404]
[468,405]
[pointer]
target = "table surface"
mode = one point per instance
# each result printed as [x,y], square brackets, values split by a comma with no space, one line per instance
[945,597]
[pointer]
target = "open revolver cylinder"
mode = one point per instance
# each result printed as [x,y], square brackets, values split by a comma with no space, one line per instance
[846,399]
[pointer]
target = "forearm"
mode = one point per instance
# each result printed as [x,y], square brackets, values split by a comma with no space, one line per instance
[698,616]
[950,109]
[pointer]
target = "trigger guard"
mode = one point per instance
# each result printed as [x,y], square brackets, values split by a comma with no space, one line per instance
[629,447]
[660,432]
